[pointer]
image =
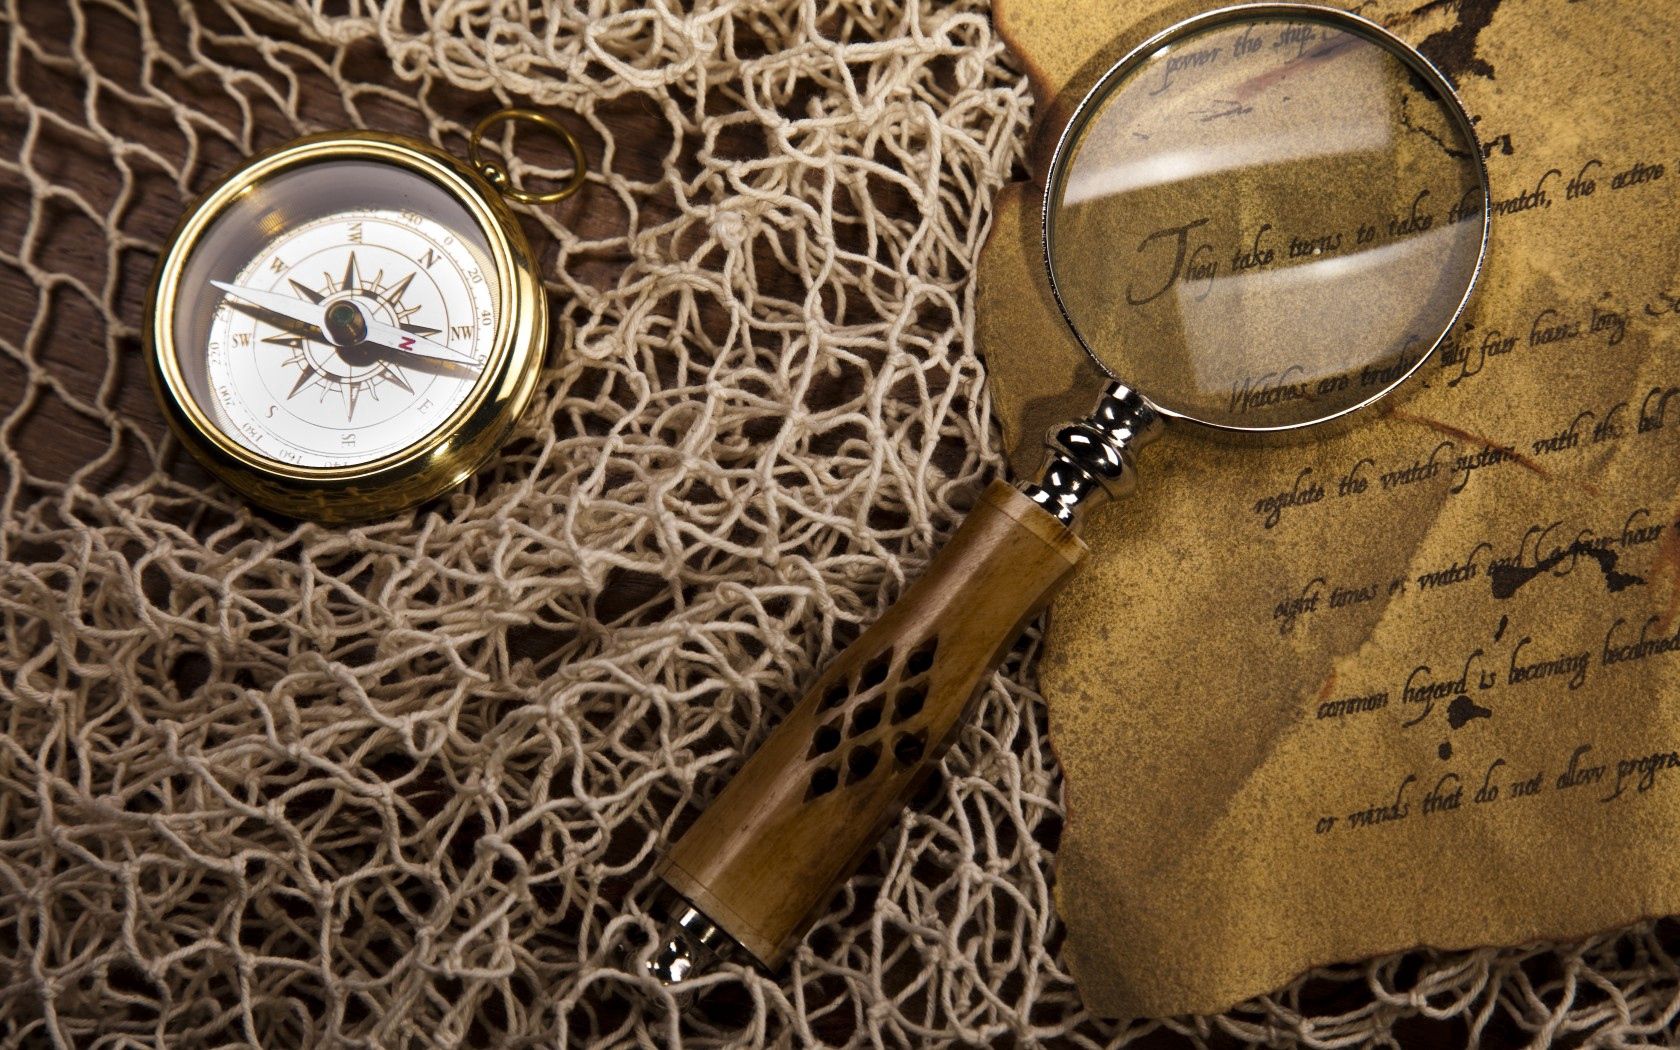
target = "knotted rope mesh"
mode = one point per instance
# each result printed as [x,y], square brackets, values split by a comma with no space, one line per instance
[273,783]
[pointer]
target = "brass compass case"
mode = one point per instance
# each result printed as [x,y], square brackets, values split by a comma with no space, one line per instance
[405,171]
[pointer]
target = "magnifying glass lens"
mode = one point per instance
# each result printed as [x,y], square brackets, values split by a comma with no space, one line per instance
[1265,223]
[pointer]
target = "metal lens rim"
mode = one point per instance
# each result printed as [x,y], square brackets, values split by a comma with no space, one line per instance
[1261,12]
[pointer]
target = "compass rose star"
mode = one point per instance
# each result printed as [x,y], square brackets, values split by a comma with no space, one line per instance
[353,390]
[345,369]
[305,377]
[352,281]
[395,292]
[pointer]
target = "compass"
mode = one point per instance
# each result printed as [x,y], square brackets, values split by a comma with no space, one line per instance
[351,323]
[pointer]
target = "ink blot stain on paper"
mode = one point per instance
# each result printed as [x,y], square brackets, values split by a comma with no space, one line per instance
[1454,50]
[1463,710]
[1507,579]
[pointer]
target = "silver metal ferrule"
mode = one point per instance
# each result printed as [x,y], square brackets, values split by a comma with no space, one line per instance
[1093,454]
[689,943]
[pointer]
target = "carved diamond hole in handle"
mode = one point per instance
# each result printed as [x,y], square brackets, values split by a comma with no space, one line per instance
[833,697]
[909,748]
[867,716]
[922,658]
[908,703]
[823,781]
[876,672]
[826,739]
[860,762]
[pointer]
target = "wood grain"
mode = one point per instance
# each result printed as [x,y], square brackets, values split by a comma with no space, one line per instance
[767,854]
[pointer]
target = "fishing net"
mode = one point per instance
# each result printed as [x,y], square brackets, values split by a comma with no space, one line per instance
[400,784]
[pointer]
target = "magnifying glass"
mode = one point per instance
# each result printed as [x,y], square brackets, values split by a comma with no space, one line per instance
[1259,222]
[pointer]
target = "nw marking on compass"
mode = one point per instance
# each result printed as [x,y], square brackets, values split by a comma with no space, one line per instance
[367,369]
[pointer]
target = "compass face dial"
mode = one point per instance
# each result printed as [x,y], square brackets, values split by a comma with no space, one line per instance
[346,326]
[332,394]
[336,315]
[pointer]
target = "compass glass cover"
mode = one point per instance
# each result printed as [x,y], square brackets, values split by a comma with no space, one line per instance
[1266,221]
[336,313]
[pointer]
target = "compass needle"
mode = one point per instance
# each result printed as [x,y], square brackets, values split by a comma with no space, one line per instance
[286,306]
[379,333]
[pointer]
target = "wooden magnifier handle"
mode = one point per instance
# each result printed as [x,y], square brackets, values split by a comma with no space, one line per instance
[769,852]
[761,861]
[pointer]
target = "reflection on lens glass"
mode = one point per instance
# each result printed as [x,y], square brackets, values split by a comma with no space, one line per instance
[1265,223]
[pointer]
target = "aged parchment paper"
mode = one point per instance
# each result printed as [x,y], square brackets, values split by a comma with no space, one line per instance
[1414,684]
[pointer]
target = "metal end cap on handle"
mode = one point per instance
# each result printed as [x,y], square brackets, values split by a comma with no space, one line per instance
[689,944]
[1094,453]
